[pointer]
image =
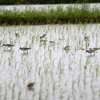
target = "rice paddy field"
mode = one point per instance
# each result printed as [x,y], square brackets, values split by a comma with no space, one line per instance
[57,62]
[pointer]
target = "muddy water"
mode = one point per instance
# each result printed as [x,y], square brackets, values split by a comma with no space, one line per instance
[58,73]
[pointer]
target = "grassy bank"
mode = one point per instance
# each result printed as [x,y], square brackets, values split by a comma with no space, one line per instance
[57,16]
[6,2]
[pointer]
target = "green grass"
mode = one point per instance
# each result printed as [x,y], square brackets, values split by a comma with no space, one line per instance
[53,16]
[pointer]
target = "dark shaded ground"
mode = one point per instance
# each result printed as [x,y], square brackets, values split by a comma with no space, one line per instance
[9,2]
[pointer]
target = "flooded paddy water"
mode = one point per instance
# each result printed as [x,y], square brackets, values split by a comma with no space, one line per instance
[59,73]
[48,7]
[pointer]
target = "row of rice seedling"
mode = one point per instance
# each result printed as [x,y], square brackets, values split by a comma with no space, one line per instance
[52,16]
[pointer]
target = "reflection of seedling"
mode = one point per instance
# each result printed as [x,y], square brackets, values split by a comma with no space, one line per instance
[86,39]
[44,41]
[33,38]
[85,67]
[0,42]
[97,70]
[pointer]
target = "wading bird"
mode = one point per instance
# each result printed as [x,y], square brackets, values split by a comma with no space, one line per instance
[16,34]
[92,50]
[52,42]
[24,49]
[30,86]
[42,36]
[8,45]
[66,48]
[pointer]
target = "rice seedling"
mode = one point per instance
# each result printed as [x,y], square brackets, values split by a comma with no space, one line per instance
[13,91]
[24,49]
[19,95]
[97,70]
[5,97]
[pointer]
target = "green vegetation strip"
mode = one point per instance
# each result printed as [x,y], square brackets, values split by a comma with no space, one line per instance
[53,16]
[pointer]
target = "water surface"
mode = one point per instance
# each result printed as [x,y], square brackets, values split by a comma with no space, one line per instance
[47,7]
[59,74]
